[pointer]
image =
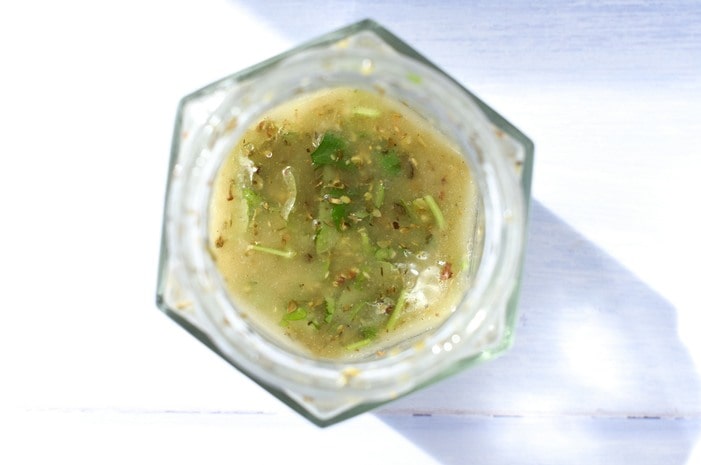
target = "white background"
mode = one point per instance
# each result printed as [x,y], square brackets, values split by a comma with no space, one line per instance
[607,363]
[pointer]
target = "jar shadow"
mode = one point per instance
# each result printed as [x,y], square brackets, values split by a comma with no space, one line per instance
[597,370]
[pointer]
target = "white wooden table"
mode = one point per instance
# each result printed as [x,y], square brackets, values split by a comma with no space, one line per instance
[607,364]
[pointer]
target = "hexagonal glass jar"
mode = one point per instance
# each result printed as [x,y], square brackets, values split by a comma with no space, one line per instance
[364,56]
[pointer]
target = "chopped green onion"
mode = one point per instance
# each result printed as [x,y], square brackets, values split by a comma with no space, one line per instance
[437,213]
[271,251]
[394,317]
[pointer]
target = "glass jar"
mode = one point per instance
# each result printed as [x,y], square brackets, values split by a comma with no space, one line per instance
[364,56]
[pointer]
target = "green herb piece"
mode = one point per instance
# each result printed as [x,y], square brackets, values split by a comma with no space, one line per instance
[253,201]
[378,197]
[391,267]
[339,213]
[325,239]
[437,213]
[290,137]
[413,77]
[368,332]
[384,254]
[356,309]
[391,163]
[366,111]
[330,309]
[335,192]
[410,210]
[465,264]
[271,251]
[297,314]
[338,201]
[358,345]
[365,242]
[326,266]
[359,215]
[394,317]
[324,215]
[328,174]
[329,151]
[360,281]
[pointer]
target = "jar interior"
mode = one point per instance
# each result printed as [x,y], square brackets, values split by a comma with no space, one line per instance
[344,224]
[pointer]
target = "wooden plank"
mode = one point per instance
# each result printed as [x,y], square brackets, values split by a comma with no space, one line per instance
[591,339]
[550,440]
[112,436]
